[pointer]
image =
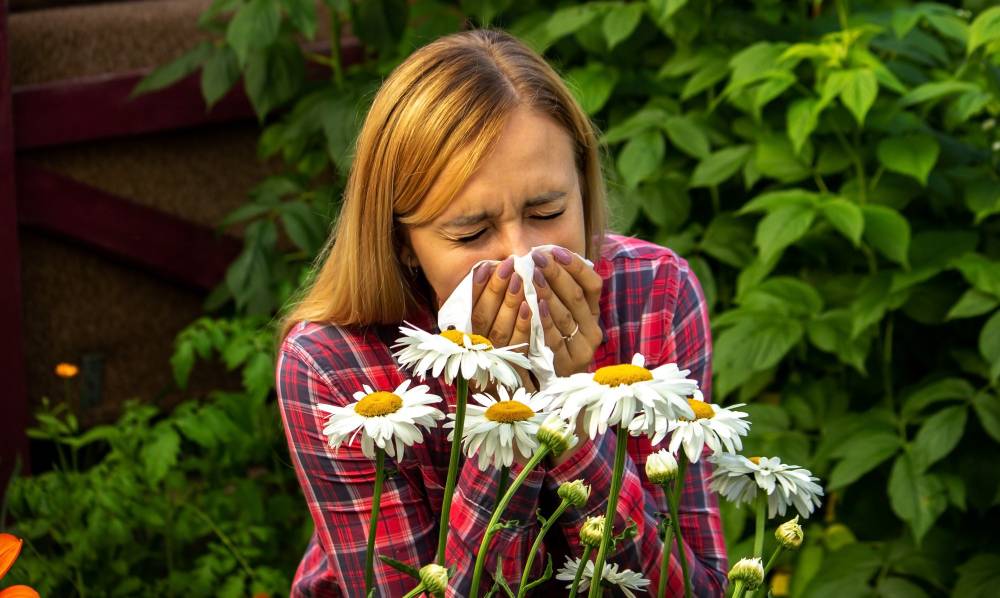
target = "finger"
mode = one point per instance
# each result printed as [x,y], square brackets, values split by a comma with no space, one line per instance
[480,278]
[563,287]
[585,276]
[522,328]
[503,324]
[484,312]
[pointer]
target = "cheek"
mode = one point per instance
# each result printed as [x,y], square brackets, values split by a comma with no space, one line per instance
[445,274]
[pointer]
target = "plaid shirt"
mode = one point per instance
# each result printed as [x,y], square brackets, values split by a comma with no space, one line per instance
[651,303]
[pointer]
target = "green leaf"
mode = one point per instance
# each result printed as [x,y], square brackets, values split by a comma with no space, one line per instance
[917,498]
[862,452]
[913,155]
[756,342]
[663,10]
[380,24]
[987,408]
[182,361]
[981,272]
[568,20]
[160,451]
[593,85]
[620,22]
[708,75]
[801,120]
[775,157]
[273,76]
[641,157]
[984,29]
[219,74]
[858,89]
[643,120]
[989,345]
[665,201]
[846,217]
[304,227]
[719,166]
[978,577]
[939,435]
[935,90]
[898,587]
[781,228]
[887,231]
[254,26]
[302,14]
[783,295]
[947,389]
[982,197]
[728,239]
[833,332]
[258,374]
[686,135]
[173,72]
[772,200]
[972,303]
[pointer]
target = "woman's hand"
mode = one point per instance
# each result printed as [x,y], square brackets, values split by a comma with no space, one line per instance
[569,293]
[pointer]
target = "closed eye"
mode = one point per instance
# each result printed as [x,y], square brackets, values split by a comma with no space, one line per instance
[552,216]
[469,238]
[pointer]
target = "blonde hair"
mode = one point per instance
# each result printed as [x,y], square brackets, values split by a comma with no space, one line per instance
[449,98]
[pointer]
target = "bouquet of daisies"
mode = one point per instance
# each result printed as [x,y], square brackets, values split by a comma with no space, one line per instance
[661,403]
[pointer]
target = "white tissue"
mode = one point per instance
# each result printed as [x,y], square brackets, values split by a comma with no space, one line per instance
[457,312]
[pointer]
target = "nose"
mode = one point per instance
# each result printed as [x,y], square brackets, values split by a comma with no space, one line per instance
[515,241]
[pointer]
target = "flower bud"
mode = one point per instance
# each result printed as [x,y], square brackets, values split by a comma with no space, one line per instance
[435,579]
[557,434]
[661,467]
[789,534]
[575,493]
[749,571]
[592,531]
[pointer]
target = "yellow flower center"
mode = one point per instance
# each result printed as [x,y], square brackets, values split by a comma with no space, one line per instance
[378,403]
[626,373]
[506,412]
[755,460]
[455,336]
[702,410]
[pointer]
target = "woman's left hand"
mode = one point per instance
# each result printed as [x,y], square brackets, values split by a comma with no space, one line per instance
[569,293]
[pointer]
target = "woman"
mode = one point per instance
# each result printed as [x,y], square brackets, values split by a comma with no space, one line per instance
[475,150]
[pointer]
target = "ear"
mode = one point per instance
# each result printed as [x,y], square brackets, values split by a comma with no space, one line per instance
[406,255]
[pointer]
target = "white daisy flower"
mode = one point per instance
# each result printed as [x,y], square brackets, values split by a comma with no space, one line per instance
[718,427]
[454,352]
[493,428]
[629,395]
[739,479]
[626,579]
[387,420]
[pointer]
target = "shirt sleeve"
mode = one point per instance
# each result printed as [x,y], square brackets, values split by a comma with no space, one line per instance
[338,486]
[642,502]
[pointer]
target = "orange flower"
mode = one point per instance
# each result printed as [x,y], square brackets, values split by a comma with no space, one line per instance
[10,549]
[67,370]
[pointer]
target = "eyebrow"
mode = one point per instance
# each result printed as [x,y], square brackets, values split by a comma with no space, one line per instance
[476,218]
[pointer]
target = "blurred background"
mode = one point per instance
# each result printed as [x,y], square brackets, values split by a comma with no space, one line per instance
[170,168]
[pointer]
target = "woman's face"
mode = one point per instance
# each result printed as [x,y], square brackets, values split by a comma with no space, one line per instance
[526,193]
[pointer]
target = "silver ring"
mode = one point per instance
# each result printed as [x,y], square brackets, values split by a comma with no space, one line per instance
[572,334]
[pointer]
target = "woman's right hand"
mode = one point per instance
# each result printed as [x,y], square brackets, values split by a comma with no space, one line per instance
[499,310]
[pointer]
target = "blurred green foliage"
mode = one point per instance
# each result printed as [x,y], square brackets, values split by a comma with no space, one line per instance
[830,171]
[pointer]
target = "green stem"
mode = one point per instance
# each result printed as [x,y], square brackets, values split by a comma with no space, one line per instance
[738,589]
[579,570]
[338,69]
[609,514]
[373,520]
[661,590]
[758,539]
[502,482]
[770,563]
[225,540]
[415,591]
[477,573]
[461,396]
[674,502]
[536,546]
[842,14]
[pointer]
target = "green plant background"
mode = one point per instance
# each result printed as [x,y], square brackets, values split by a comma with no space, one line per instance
[830,171]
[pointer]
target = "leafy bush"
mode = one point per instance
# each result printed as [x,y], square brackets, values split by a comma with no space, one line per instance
[830,171]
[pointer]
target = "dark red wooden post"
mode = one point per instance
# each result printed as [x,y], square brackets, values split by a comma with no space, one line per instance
[13,386]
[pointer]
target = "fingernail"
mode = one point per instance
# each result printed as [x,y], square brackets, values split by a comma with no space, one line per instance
[539,279]
[539,258]
[515,285]
[524,312]
[562,256]
[543,308]
[483,273]
[505,268]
